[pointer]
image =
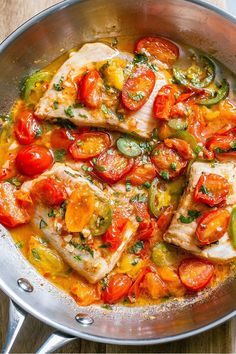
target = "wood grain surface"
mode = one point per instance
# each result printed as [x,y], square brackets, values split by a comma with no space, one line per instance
[219,340]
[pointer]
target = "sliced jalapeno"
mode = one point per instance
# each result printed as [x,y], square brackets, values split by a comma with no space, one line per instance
[220,95]
[177,124]
[232,227]
[164,255]
[101,219]
[128,147]
[31,81]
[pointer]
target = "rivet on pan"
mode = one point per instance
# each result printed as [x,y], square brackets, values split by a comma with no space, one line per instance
[25,285]
[84,319]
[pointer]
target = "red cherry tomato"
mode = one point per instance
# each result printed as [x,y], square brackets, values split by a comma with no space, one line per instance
[164,102]
[118,287]
[181,146]
[49,191]
[223,146]
[141,173]
[165,218]
[169,164]
[112,166]
[211,189]
[90,89]
[138,88]
[141,211]
[26,128]
[196,123]
[195,273]
[34,160]
[15,208]
[61,138]
[212,225]
[135,288]
[112,236]
[89,145]
[161,48]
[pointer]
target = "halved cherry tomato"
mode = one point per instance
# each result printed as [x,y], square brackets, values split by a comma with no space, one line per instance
[211,189]
[112,236]
[161,48]
[147,227]
[223,146]
[112,166]
[154,286]
[26,128]
[196,123]
[34,160]
[49,191]
[90,89]
[141,173]
[138,88]
[135,288]
[118,288]
[14,210]
[169,164]
[179,110]
[165,218]
[181,146]
[61,138]
[195,273]
[212,225]
[164,102]
[9,169]
[89,145]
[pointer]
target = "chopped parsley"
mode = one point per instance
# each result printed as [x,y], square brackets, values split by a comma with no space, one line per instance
[83,115]
[86,168]
[104,283]
[59,155]
[120,116]
[137,247]
[35,254]
[105,110]
[69,112]
[107,307]
[52,213]
[38,132]
[105,245]
[141,198]
[128,186]
[135,261]
[173,166]
[136,97]
[147,184]
[100,168]
[63,209]
[198,149]
[192,215]
[138,218]
[58,86]
[165,175]
[77,258]
[55,104]
[153,67]
[140,59]
[19,244]
[233,144]
[42,224]
[204,190]
[82,247]
[14,181]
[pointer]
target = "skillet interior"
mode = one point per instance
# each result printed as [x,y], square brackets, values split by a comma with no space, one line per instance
[64,27]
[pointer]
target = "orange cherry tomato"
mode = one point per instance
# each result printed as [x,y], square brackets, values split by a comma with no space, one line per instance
[34,160]
[195,273]
[111,165]
[212,225]
[154,286]
[112,236]
[181,146]
[135,288]
[89,145]
[164,102]
[161,48]
[138,88]
[49,191]
[169,164]
[61,138]
[15,208]
[211,189]
[26,128]
[223,145]
[141,173]
[90,89]
[118,287]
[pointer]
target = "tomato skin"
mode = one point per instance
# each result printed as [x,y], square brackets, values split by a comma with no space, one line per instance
[96,144]
[161,48]
[112,236]
[162,157]
[195,273]
[111,165]
[61,138]
[164,102]
[49,191]
[33,160]
[217,189]
[135,288]
[90,89]
[212,225]
[26,128]
[141,173]
[118,287]
[142,80]
[181,146]
[196,124]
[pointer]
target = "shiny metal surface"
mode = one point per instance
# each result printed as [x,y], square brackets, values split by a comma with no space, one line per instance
[43,37]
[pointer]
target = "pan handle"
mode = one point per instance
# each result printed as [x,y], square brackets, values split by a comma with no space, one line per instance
[16,319]
[55,341]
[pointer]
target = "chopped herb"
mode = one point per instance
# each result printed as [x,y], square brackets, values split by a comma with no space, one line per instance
[42,224]
[173,166]
[100,168]
[136,97]
[55,104]
[138,218]
[128,186]
[59,155]
[69,112]
[38,132]
[77,258]
[52,213]
[204,190]
[137,247]
[233,144]
[141,198]
[59,87]
[107,307]
[109,151]
[14,181]
[147,184]
[63,209]
[86,168]
[165,175]
[145,159]
[104,283]
[19,244]
[220,151]
[70,174]
[120,117]
[105,110]
[83,115]
[198,149]
[153,67]
[78,105]
[94,160]
[156,152]
[65,123]
[105,245]
[140,59]
[192,215]
[82,247]
[135,261]
[35,254]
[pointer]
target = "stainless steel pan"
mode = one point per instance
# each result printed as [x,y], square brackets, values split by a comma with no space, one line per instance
[63,26]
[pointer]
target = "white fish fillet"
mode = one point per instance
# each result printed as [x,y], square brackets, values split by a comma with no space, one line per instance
[141,122]
[183,235]
[92,267]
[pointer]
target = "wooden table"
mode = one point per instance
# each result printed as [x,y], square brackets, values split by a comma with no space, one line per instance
[219,340]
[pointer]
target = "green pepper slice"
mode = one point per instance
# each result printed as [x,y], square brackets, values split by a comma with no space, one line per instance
[189,138]
[102,217]
[31,81]
[232,227]
[181,76]
[128,147]
[164,255]
[220,95]
[177,124]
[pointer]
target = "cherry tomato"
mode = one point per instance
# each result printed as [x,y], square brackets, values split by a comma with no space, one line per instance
[154,286]
[89,145]
[49,191]
[212,225]
[90,89]
[61,138]
[10,170]
[26,128]
[211,189]
[195,273]
[118,287]
[179,110]
[222,146]
[181,146]
[161,48]
[169,164]
[141,173]
[196,123]
[138,88]
[14,210]
[112,166]
[141,212]
[164,102]
[34,160]
[112,236]
[165,218]
[135,288]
